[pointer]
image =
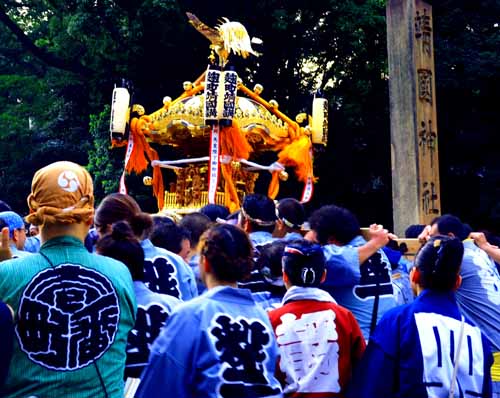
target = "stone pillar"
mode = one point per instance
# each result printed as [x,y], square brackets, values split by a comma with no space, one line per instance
[414,149]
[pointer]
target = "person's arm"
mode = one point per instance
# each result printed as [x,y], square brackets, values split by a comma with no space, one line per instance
[358,345]
[374,375]
[171,362]
[425,235]
[379,237]
[5,253]
[491,250]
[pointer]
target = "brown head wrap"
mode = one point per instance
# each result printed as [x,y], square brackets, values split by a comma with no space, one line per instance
[61,193]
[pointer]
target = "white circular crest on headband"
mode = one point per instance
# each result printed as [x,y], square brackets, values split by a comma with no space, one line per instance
[68,181]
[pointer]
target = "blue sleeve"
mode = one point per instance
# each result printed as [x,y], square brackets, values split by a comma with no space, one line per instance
[6,339]
[192,283]
[488,362]
[188,280]
[342,264]
[170,370]
[374,375]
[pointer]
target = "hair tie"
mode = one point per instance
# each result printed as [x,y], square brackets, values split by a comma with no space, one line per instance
[304,273]
[257,221]
[289,224]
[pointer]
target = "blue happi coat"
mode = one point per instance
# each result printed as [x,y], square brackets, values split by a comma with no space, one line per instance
[412,353]
[153,310]
[167,273]
[217,345]
[479,294]
[354,286]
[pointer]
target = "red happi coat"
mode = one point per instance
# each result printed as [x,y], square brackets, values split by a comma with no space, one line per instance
[319,343]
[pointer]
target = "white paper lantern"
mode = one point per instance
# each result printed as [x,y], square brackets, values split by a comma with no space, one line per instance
[119,110]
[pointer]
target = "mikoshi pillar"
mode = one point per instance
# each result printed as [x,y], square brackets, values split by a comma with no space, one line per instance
[414,138]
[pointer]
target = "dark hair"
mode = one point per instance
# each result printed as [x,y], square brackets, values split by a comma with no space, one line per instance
[122,245]
[260,211]
[169,236]
[439,262]
[228,251]
[270,256]
[466,231]
[162,220]
[214,211]
[292,211]
[449,223]
[334,222]
[3,224]
[4,206]
[414,230]
[304,263]
[196,223]
[120,207]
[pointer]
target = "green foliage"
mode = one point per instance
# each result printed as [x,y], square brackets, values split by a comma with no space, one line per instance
[59,73]
[105,164]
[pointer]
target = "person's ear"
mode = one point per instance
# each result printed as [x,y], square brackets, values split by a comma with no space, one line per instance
[246,225]
[16,234]
[204,263]
[286,279]
[458,282]
[415,275]
[323,277]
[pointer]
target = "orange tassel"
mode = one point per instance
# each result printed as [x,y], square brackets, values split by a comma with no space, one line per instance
[158,187]
[231,195]
[298,155]
[137,162]
[274,185]
[138,158]
[234,142]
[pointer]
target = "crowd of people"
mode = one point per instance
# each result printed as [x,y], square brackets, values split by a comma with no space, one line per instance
[264,302]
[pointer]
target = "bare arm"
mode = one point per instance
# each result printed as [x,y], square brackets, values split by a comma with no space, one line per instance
[378,238]
[492,250]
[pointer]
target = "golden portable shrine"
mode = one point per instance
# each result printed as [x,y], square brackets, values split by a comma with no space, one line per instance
[219,125]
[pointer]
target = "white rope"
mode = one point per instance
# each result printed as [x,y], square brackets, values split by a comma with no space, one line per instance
[172,164]
[457,359]
[271,168]
[225,159]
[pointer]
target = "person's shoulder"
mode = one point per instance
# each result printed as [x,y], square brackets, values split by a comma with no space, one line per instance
[110,267]
[392,316]
[11,263]
[340,310]
[192,309]
[20,264]
[277,311]
[171,256]
[165,299]
[99,258]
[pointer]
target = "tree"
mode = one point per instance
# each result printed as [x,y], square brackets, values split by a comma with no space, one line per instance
[59,60]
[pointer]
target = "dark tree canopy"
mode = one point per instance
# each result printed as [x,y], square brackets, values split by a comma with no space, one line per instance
[59,61]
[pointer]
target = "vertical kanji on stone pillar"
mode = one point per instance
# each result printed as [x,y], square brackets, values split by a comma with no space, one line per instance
[414,138]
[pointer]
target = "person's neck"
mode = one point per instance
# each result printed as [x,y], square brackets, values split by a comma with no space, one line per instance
[211,282]
[51,231]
